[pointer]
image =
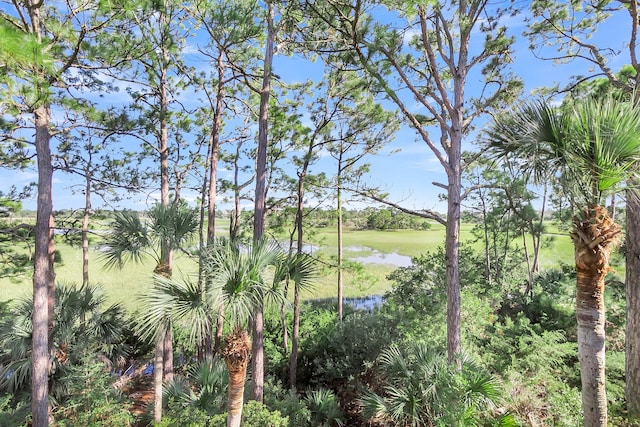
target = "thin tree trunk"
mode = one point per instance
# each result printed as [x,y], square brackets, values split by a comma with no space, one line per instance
[167,354]
[340,256]
[202,345]
[157,375]
[257,360]
[293,361]
[487,253]
[85,230]
[527,259]
[43,274]
[215,148]
[165,265]
[538,239]
[213,181]
[632,367]
[452,249]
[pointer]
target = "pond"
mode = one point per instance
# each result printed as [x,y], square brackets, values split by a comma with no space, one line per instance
[393,258]
[366,303]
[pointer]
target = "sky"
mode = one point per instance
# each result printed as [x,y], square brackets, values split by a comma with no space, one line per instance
[405,168]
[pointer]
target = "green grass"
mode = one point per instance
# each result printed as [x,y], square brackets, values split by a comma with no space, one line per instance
[129,284]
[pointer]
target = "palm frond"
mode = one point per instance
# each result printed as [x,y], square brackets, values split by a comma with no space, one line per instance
[174,223]
[129,240]
[236,276]
[592,146]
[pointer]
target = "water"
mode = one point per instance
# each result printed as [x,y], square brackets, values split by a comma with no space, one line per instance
[369,303]
[393,258]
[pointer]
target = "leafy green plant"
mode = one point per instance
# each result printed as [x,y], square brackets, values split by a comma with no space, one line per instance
[324,407]
[418,387]
[288,402]
[14,412]
[82,327]
[204,387]
[92,402]
[255,414]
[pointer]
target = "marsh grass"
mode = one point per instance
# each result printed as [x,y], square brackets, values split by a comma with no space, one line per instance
[128,284]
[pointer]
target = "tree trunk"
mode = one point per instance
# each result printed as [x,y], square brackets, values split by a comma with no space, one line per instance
[293,361]
[236,353]
[632,367]
[85,230]
[215,148]
[257,361]
[452,248]
[157,376]
[167,354]
[339,211]
[43,273]
[592,265]
[295,338]
[211,197]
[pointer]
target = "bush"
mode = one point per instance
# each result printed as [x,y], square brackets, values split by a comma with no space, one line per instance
[288,402]
[93,401]
[178,415]
[14,413]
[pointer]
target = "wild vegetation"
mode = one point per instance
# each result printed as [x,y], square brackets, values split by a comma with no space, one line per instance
[224,299]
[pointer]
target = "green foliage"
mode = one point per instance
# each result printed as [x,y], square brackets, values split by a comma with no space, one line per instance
[178,415]
[131,238]
[569,141]
[288,402]
[14,412]
[82,327]
[204,387]
[338,355]
[255,414]
[419,387]
[392,219]
[93,402]
[13,261]
[324,407]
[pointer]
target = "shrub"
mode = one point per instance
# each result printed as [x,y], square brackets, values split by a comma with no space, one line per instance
[12,412]
[93,401]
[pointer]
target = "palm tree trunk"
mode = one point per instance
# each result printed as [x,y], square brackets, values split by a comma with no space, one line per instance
[236,356]
[593,236]
[591,346]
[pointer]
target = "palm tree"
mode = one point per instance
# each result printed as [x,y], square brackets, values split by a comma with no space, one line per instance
[241,279]
[420,388]
[592,147]
[82,326]
[203,387]
[170,227]
[131,239]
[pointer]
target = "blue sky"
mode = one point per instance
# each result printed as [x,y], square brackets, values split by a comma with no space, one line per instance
[407,175]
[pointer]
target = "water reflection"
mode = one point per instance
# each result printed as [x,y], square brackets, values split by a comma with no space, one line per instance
[368,303]
[393,258]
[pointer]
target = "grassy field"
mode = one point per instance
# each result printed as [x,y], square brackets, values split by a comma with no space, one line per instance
[127,285]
